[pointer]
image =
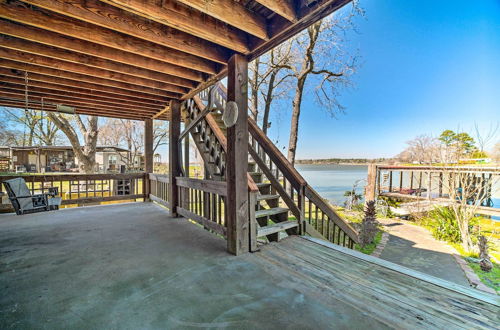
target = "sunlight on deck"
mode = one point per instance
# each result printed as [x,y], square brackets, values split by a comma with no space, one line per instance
[133,266]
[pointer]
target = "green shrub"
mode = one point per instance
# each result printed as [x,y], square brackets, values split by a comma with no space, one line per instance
[444,225]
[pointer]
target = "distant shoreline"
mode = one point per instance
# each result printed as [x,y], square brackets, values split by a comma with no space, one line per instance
[336,161]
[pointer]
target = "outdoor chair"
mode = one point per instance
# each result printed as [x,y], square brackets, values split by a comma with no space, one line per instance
[23,202]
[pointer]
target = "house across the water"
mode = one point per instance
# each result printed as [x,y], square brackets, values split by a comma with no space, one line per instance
[43,159]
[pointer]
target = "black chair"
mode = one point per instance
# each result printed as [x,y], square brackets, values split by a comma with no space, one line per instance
[23,202]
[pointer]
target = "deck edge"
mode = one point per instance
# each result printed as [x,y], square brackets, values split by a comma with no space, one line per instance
[476,294]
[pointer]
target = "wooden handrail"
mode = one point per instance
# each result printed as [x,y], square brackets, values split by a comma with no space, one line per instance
[439,168]
[73,177]
[159,177]
[327,209]
[219,135]
[210,186]
[276,156]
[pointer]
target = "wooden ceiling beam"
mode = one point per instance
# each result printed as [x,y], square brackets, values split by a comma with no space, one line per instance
[34,87]
[280,30]
[91,61]
[83,69]
[184,49]
[96,83]
[284,8]
[73,101]
[232,13]
[17,77]
[185,19]
[91,49]
[80,110]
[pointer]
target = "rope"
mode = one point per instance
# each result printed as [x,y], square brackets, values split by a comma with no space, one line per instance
[25,105]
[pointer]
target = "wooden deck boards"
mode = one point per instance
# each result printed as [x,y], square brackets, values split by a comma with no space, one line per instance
[394,295]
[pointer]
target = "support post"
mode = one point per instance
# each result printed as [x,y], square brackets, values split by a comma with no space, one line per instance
[371,183]
[173,159]
[429,185]
[148,156]
[237,159]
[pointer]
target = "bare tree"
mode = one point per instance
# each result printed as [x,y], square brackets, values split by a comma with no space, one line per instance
[29,120]
[423,149]
[125,133]
[85,152]
[318,54]
[276,79]
[46,131]
[466,190]
[483,140]
[160,134]
[10,136]
[129,134]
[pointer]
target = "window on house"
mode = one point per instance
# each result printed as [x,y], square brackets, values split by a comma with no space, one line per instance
[112,159]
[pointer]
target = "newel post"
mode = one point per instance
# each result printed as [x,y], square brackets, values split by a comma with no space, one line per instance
[148,156]
[238,224]
[173,157]
[371,183]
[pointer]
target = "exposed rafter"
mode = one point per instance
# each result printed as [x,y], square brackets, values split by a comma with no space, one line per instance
[92,61]
[136,42]
[47,71]
[52,89]
[187,20]
[284,8]
[69,84]
[83,69]
[233,13]
[110,17]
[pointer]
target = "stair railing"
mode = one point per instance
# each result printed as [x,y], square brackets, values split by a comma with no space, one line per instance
[318,218]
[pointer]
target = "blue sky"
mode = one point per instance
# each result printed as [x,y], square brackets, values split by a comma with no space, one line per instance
[426,66]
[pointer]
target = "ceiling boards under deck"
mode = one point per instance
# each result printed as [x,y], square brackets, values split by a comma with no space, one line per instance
[129,58]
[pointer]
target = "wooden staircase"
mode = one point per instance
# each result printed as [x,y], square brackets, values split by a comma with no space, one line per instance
[210,139]
[284,203]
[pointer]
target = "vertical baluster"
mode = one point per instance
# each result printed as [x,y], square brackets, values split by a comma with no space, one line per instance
[78,189]
[316,216]
[219,197]
[310,211]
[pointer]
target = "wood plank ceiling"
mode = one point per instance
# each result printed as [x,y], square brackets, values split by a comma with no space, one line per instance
[129,58]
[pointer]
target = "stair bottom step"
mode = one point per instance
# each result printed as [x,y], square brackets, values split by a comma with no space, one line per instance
[268,230]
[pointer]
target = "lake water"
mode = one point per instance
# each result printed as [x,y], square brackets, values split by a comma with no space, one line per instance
[332,181]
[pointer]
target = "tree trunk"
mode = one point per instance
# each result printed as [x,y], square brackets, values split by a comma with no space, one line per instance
[254,83]
[294,126]
[85,154]
[269,100]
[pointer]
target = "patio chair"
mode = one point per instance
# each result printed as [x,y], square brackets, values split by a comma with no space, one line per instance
[23,202]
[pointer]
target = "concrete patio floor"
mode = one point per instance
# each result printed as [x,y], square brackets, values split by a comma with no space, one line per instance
[131,266]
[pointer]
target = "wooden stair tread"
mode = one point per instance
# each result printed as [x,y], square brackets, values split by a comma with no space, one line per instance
[267,197]
[263,184]
[272,229]
[271,211]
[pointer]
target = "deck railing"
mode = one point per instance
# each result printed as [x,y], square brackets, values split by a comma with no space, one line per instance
[159,189]
[81,189]
[203,201]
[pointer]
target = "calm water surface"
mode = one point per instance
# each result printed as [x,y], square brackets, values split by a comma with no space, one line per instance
[331,181]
